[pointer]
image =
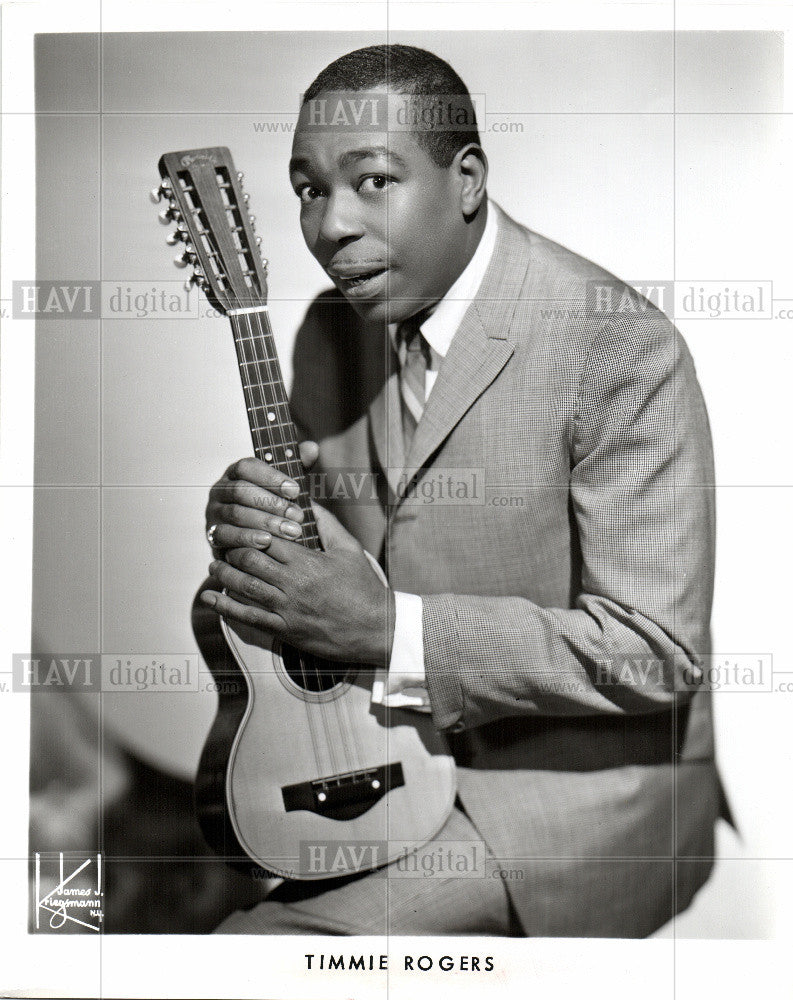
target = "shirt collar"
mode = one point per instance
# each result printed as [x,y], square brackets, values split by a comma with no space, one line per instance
[443,322]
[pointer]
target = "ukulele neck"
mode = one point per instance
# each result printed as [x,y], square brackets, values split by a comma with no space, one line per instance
[272,429]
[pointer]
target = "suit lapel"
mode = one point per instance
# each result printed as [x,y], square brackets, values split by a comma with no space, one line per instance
[479,348]
[473,361]
[478,352]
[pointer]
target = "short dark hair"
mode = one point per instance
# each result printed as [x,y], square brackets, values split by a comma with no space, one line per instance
[407,69]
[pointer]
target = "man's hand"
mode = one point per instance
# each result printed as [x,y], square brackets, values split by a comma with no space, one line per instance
[330,603]
[253,501]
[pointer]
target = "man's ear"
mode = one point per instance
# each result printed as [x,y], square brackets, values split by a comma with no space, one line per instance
[470,165]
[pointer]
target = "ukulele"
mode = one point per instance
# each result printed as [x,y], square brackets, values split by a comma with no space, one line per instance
[301,773]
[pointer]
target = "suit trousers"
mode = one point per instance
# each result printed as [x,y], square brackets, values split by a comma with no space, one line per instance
[382,902]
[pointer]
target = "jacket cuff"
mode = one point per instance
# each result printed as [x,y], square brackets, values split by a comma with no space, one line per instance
[442,662]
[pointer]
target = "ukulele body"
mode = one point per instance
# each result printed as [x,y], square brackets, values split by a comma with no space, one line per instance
[312,784]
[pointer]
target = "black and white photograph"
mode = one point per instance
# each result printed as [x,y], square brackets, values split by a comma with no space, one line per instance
[395,485]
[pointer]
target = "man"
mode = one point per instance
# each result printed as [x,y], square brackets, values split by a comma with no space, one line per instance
[555,640]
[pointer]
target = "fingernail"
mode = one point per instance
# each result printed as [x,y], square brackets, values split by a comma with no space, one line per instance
[213,565]
[291,529]
[293,512]
[209,598]
[262,539]
[290,489]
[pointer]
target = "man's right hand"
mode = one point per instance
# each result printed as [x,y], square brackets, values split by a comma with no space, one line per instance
[253,501]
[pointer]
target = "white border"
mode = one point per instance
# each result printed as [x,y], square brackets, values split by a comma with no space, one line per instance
[234,967]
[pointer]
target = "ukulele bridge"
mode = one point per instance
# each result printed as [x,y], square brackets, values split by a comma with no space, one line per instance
[344,796]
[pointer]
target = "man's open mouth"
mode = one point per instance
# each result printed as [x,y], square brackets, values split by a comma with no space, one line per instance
[360,278]
[357,279]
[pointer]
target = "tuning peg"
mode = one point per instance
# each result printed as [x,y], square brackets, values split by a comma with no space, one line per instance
[185,259]
[198,279]
[179,234]
[164,190]
[170,214]
[240,175]
[246,198]
[258,241]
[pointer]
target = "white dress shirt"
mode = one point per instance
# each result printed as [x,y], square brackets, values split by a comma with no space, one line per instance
[438,329]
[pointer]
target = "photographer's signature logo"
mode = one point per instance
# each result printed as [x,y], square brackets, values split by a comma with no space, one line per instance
[68,892]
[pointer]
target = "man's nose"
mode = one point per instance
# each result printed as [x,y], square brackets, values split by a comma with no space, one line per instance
[340,221]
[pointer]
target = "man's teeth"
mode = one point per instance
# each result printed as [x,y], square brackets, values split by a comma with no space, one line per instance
[364,277]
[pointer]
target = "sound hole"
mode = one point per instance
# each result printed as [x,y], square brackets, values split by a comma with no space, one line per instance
[310,672]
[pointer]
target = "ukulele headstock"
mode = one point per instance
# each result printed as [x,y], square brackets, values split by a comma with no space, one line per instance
[205,199]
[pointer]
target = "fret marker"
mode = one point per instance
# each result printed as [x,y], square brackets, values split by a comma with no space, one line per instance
[271,416]
[289,453]
[268,456]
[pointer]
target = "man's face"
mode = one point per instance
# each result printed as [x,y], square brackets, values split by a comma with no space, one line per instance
[382,219]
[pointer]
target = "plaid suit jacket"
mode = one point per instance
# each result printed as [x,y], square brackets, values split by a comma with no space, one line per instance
[567,600]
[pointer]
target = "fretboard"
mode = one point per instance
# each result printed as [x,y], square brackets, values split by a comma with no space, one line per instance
[272,430]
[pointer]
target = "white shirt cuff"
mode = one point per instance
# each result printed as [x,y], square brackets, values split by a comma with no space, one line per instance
[407,657]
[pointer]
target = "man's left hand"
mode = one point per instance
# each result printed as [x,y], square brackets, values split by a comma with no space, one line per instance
[330,603]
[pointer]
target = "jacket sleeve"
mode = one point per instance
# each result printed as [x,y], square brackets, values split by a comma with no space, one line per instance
[642,503]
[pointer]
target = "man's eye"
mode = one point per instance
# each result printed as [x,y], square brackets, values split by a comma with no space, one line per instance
[307,193]
[375,182]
